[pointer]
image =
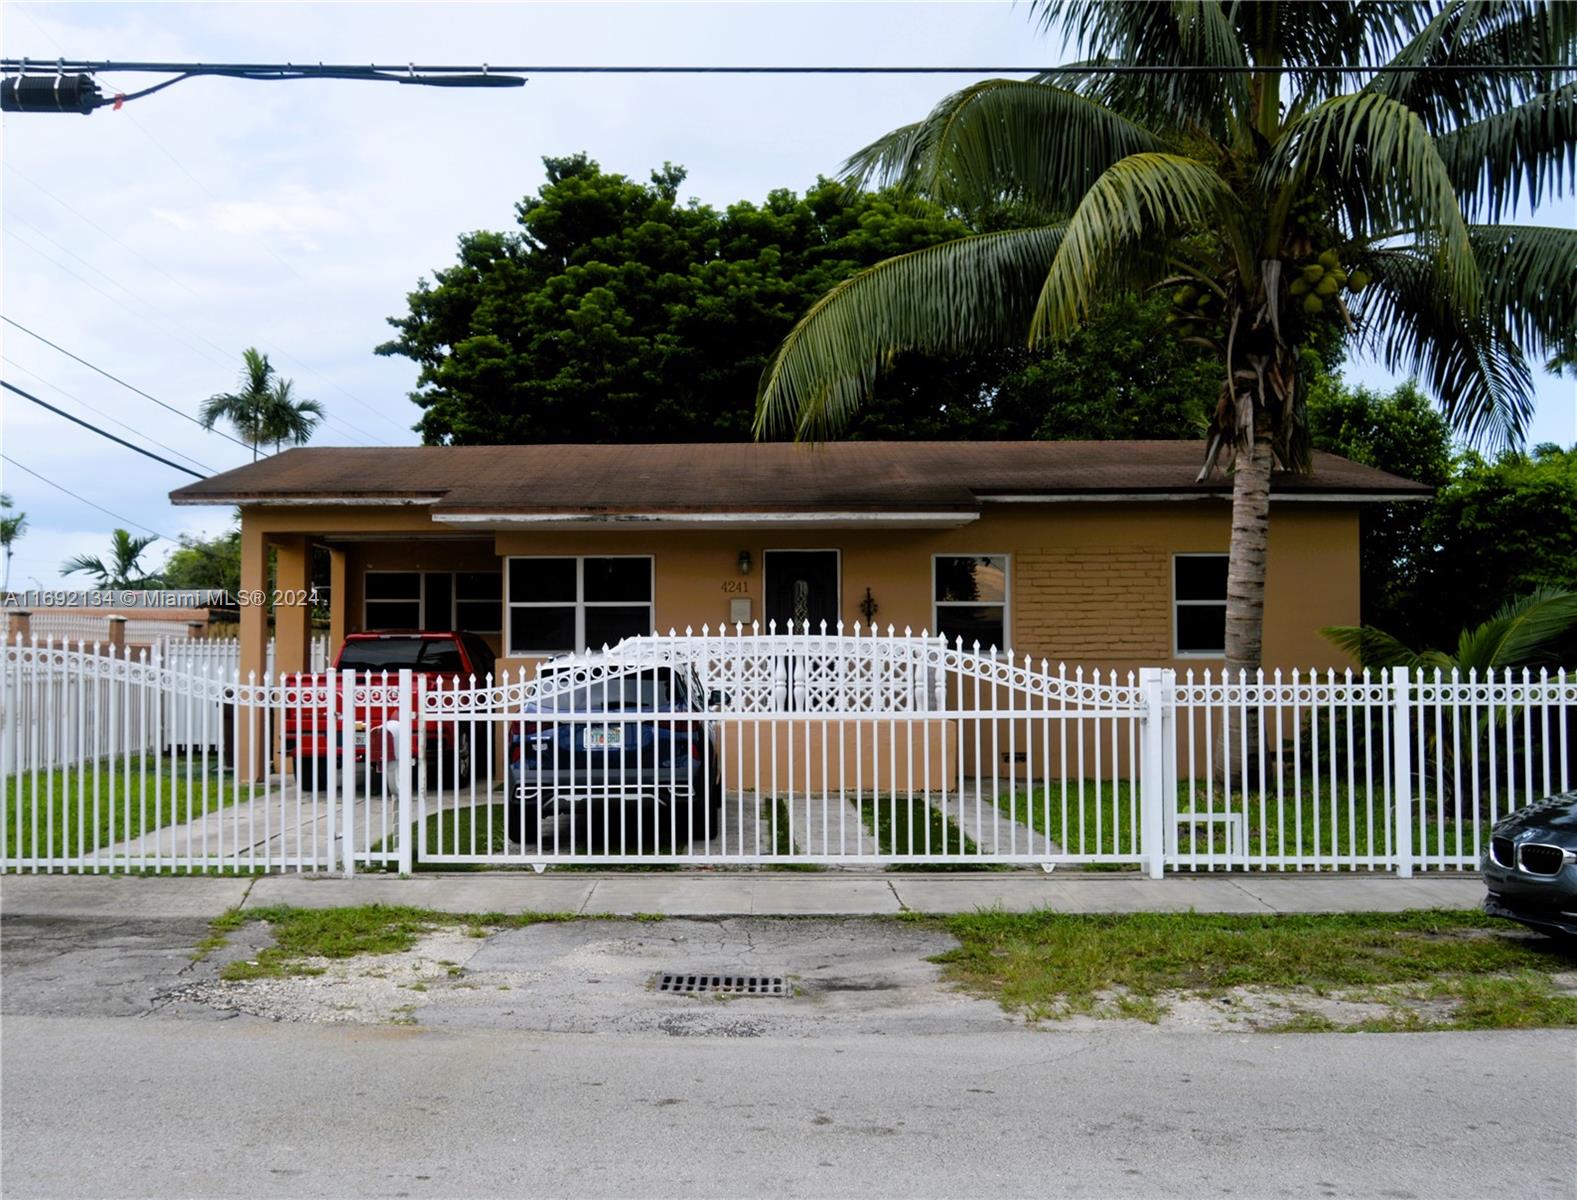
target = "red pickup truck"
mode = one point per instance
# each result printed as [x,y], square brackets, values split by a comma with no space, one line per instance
[453,658]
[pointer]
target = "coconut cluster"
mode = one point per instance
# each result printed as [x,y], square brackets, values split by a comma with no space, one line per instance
[1319,282]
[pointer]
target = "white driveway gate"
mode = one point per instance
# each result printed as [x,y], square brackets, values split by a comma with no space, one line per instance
[820,748]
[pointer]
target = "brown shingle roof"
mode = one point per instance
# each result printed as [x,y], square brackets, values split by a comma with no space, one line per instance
[730,477]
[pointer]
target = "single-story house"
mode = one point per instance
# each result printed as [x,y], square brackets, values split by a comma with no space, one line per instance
[1104,554]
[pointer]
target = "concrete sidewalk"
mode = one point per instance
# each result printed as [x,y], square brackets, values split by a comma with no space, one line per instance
[841,893]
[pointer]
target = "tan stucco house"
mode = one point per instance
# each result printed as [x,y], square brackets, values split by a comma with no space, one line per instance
[1106,554]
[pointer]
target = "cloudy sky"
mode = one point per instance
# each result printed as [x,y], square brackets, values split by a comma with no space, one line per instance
[159,241]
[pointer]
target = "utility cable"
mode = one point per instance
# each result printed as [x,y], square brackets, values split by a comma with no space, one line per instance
[122,382]
[11,387]
[99,412]
[85,500]
[486,75]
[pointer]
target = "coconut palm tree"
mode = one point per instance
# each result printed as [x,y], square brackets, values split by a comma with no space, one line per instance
[12,525]
[287,419]
[124,568]
[1247,159]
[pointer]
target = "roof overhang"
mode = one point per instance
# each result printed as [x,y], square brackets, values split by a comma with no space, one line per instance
[706,520]
[336,501]
[1143,497]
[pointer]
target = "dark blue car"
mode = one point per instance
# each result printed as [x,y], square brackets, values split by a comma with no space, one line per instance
[626,759]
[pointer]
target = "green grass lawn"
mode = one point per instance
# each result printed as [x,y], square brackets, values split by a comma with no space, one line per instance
[133,797]
[1483,972]
[1333,825]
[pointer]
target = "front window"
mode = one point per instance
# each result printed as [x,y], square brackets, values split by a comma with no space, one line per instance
[971,597]
[434,600]
[1199,603]
[560,604]
[393,600]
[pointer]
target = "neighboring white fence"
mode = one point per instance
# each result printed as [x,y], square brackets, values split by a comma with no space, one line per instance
[766,748]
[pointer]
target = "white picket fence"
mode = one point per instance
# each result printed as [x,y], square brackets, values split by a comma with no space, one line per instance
[752,748]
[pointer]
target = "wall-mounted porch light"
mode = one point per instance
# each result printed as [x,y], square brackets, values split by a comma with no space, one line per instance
[744,562]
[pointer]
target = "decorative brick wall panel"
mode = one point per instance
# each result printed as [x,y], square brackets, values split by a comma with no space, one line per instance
[1093,603]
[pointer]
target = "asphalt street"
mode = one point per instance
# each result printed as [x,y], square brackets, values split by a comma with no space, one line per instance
[107,1106]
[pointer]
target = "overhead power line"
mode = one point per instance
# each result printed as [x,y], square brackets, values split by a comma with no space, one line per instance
[67,85]
[104,433]
[85,500]
[116,379]
[99,412]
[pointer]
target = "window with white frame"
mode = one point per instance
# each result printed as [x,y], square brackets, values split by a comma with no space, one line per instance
[1199,603]
[562,603]
[469,601]
[970,593]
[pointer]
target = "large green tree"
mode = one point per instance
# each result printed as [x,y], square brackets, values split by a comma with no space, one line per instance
[1238,158]
[1401,432]
[619,312]
[1500,527]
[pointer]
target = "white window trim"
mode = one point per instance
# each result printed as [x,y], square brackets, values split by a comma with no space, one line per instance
[1006,603]
[580,603]
[421,595]
[1178,652]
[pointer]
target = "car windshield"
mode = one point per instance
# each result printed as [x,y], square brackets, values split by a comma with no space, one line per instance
[394,654]
[646,691]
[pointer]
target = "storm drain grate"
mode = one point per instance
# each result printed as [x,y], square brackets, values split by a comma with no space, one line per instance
[728,985]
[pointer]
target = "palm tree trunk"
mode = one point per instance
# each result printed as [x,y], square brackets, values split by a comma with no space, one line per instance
[1238,765]
[1246,562]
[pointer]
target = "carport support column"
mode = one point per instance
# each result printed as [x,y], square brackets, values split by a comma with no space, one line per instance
[254,646]
[1152,771]
[339,599]
[292,622]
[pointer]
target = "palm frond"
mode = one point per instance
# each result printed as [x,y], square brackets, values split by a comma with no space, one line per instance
[1468,361]
[1526,150]
[1530,284]
[1004,140]
[968,294]
[1525,631]
[88,564]
[1132,208]
[1192,33]
[1503,34]
[1376,157]
[1372,648]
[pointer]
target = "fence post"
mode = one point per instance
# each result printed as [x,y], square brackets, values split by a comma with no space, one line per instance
[1152,772]
[403,774]
[1402,767]
[347,747]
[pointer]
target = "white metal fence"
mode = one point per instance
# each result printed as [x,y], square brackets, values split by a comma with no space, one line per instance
[744,747]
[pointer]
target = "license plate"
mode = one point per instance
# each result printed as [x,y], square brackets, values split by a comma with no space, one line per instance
[604,737]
